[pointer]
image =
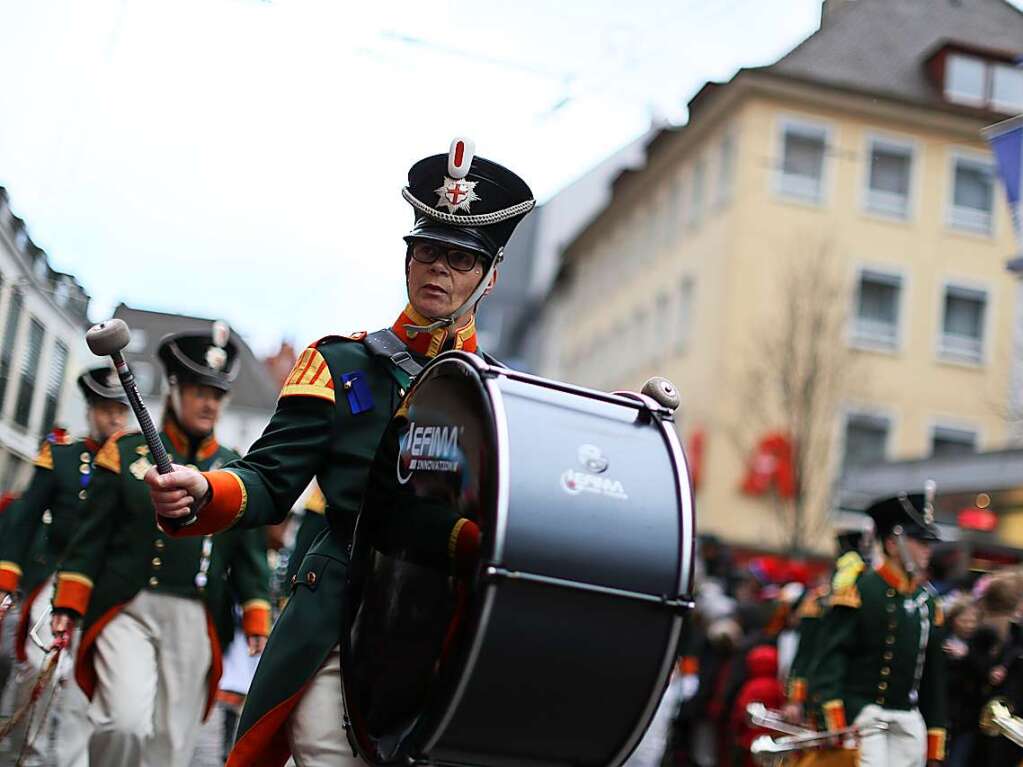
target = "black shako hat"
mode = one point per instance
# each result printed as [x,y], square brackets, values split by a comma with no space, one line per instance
[912,512]
[101,383]
[464,201]
[209,358]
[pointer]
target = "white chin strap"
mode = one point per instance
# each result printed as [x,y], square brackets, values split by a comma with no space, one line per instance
[466,307]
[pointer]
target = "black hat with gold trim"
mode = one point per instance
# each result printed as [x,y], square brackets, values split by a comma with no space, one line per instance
[100,384]
[910,514]
[463,201]
[207,358]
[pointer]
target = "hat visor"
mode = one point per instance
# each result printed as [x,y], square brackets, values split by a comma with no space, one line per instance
[215,382]
[452,236]
[926,535]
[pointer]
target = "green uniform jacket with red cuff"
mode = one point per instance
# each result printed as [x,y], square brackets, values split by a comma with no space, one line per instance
[40,525]
[118,551]
[880,643]
[332,412]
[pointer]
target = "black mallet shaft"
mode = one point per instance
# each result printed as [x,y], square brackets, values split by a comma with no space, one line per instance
[108,339]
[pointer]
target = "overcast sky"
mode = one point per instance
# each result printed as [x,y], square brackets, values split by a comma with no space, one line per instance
[243,159]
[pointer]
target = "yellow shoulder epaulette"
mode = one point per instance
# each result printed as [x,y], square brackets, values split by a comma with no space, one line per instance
[811,606]
[847,570]
[109,456]
[848,596]
[44,458]
[310,377]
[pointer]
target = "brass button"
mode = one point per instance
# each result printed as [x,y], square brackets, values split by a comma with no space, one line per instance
[154,581]
[880,701]
[84,468]
[890,593]
[889,640]
[85,457]
[47,517]
[401,392]
[888,655]
[159,544]
[886,671]
[890,607]
[294,581]
[310,578]
[882,686]
[347,385]
[157,562]
[81,495]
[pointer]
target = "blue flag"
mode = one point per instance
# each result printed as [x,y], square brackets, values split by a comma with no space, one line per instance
[1006,139]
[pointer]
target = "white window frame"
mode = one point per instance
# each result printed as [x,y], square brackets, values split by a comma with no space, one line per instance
[966,98]
[898,143]
[951,356]
[850,412]
[1003,106]
[806,125]
[863,341]
[959,219]
[953,425]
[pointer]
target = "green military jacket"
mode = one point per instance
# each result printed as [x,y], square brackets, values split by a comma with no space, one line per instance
[332,411]
[39,525]
[118,550]
[880,643]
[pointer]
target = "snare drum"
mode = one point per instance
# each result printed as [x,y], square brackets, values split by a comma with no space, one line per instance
[556,650]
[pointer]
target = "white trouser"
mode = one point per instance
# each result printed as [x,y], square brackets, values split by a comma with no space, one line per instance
[904,744]
[67,721]
[315,733]
[152,669]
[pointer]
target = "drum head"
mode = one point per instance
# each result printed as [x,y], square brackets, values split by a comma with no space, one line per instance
[407,611]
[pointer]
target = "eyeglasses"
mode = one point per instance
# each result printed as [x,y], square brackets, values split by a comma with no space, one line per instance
[459,260]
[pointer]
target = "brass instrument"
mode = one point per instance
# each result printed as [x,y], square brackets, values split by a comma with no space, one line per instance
[997,719]
[772,752]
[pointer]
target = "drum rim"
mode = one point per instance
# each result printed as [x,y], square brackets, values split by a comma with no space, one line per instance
[500,424]
[685,494]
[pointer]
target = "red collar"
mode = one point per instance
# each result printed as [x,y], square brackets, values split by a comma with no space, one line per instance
[92,445]
[181,442]
[432,344]
[893,574]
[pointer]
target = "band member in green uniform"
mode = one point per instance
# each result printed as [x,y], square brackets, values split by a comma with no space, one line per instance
[331,414]
[145,660]
[880,652]
[38,529]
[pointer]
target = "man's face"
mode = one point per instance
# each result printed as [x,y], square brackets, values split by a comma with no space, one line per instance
[436,289]
[200,408]
[919,552]
[107,417]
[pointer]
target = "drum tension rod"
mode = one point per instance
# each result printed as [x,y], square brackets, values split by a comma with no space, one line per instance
[682,603]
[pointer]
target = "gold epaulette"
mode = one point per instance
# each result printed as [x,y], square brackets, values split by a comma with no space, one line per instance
[848,596]
[310,377]
[44,458]
[811,606]
[316,502]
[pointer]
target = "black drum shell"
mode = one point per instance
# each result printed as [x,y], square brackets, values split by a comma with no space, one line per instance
[584,503]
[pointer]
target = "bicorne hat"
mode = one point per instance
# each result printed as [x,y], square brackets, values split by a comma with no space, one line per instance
[912,513]
[209,358]
[99,384]
[464,201]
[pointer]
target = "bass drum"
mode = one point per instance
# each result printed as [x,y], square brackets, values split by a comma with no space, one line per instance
[553,648]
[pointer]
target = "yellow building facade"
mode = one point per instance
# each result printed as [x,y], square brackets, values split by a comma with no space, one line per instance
[879,217]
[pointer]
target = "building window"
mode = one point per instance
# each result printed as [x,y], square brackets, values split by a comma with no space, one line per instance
[696,199]
[962,328]
[949,441]
[10,336]
[965,79]
[1007,88]
[684,313]
[58,366]
[888,178]
[29,371]
[866,439]
[877,310]
[802,164]
[726,169]
[972,195]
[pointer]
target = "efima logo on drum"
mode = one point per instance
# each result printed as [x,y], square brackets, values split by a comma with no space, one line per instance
[429,448]
[575,482]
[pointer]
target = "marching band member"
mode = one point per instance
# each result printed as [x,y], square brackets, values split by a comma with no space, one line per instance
[145,660]
[332,411]
[880,652]
[38,529]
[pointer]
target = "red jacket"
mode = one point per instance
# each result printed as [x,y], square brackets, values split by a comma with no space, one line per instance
[762,686]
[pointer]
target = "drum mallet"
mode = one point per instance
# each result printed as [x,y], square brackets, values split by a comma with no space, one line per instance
[109,339]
